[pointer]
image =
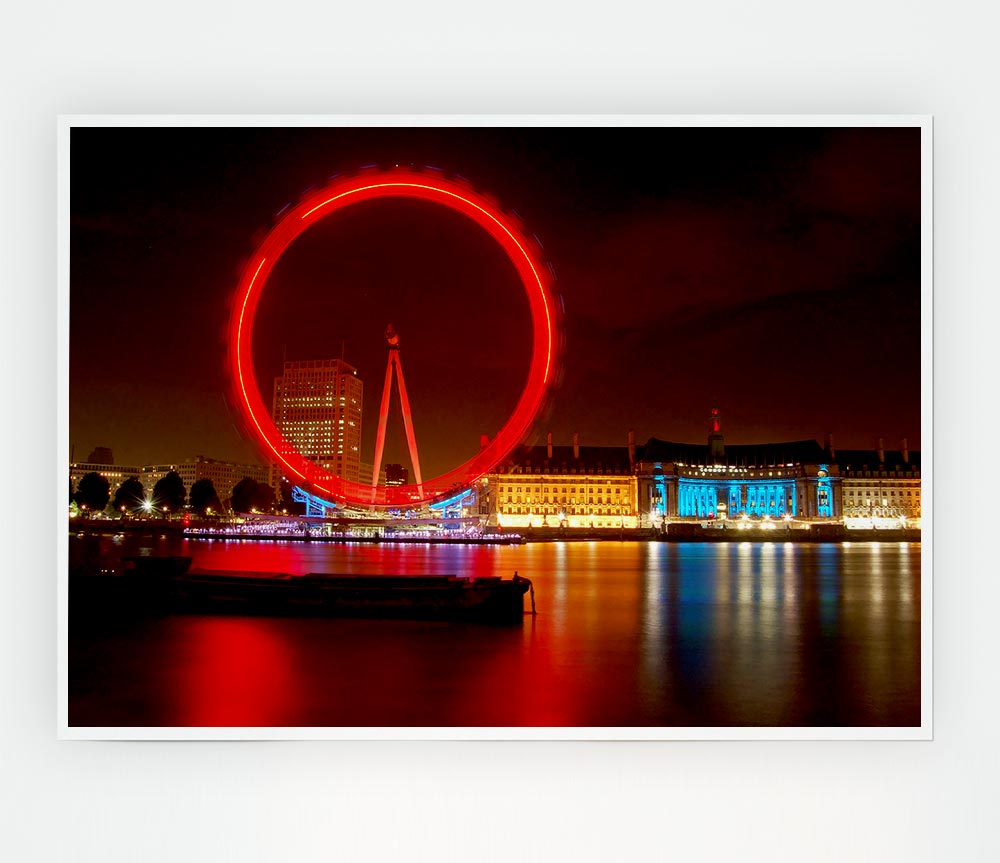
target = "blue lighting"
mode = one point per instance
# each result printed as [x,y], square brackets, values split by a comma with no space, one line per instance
[700,498]
[315,506]
[824,494]
[453,505]
[661,491]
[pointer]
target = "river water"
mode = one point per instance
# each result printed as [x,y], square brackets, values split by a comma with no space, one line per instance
[626,634]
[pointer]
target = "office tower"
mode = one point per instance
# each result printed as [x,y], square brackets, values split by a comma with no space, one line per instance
[317,408]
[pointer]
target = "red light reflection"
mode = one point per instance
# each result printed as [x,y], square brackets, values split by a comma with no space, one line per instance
[235,672]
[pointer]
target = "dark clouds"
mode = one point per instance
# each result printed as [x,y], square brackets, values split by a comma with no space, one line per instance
[775,272]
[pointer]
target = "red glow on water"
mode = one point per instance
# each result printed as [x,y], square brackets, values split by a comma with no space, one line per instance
[401,183]
[236,672]
[626,634]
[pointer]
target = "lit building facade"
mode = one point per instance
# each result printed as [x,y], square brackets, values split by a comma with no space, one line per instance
[562,487]
[773,480]
[795,479]
[642,486]
[115,474]
[317,409]
[880,483]
[396,474]
[224,475]
[366,471]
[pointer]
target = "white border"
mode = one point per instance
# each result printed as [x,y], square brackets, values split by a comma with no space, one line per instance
[923,732]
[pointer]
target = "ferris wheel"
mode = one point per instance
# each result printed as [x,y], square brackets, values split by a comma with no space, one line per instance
[536,277]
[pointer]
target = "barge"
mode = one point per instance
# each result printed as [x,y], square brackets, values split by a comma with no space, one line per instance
[169,584]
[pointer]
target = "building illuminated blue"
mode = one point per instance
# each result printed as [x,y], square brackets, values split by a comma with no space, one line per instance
[709,481]
[720,497]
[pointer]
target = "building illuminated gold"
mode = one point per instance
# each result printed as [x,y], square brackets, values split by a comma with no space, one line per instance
[881,484]
[564,487]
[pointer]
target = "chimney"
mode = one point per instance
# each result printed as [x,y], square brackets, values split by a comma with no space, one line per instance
[548,446]
[484,441]
[631,446]
[904,445]
[576,445]
[831,452]
[881,451]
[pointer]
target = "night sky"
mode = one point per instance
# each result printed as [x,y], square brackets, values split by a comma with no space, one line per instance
[774,273]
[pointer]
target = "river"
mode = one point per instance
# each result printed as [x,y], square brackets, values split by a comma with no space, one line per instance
[626,634]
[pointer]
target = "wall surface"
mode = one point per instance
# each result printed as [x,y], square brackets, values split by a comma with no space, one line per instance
[929,801]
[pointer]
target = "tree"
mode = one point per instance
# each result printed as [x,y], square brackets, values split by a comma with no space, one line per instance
[203,497]
[263,498]
[93,492]
[294,507]
[129,494]
[169,493]
[248,495]
[243,495]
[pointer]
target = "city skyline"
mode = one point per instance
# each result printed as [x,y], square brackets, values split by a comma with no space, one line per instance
[773,273]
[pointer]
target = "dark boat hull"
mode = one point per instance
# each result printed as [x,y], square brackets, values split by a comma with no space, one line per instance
[435,598]
[171,587]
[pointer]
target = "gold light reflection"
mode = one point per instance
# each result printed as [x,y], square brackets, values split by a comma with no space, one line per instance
[905,581]
[654,606]
[876,589]
[769,577]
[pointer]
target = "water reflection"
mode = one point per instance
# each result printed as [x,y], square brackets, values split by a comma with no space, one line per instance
[226,669]
[626,634]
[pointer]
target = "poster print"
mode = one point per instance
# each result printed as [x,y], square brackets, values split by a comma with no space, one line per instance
[523,428]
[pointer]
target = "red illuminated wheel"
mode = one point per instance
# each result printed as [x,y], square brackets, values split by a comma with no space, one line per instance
[401,183]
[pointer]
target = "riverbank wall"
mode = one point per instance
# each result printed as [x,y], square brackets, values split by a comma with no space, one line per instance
[809,533]
[675,532]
